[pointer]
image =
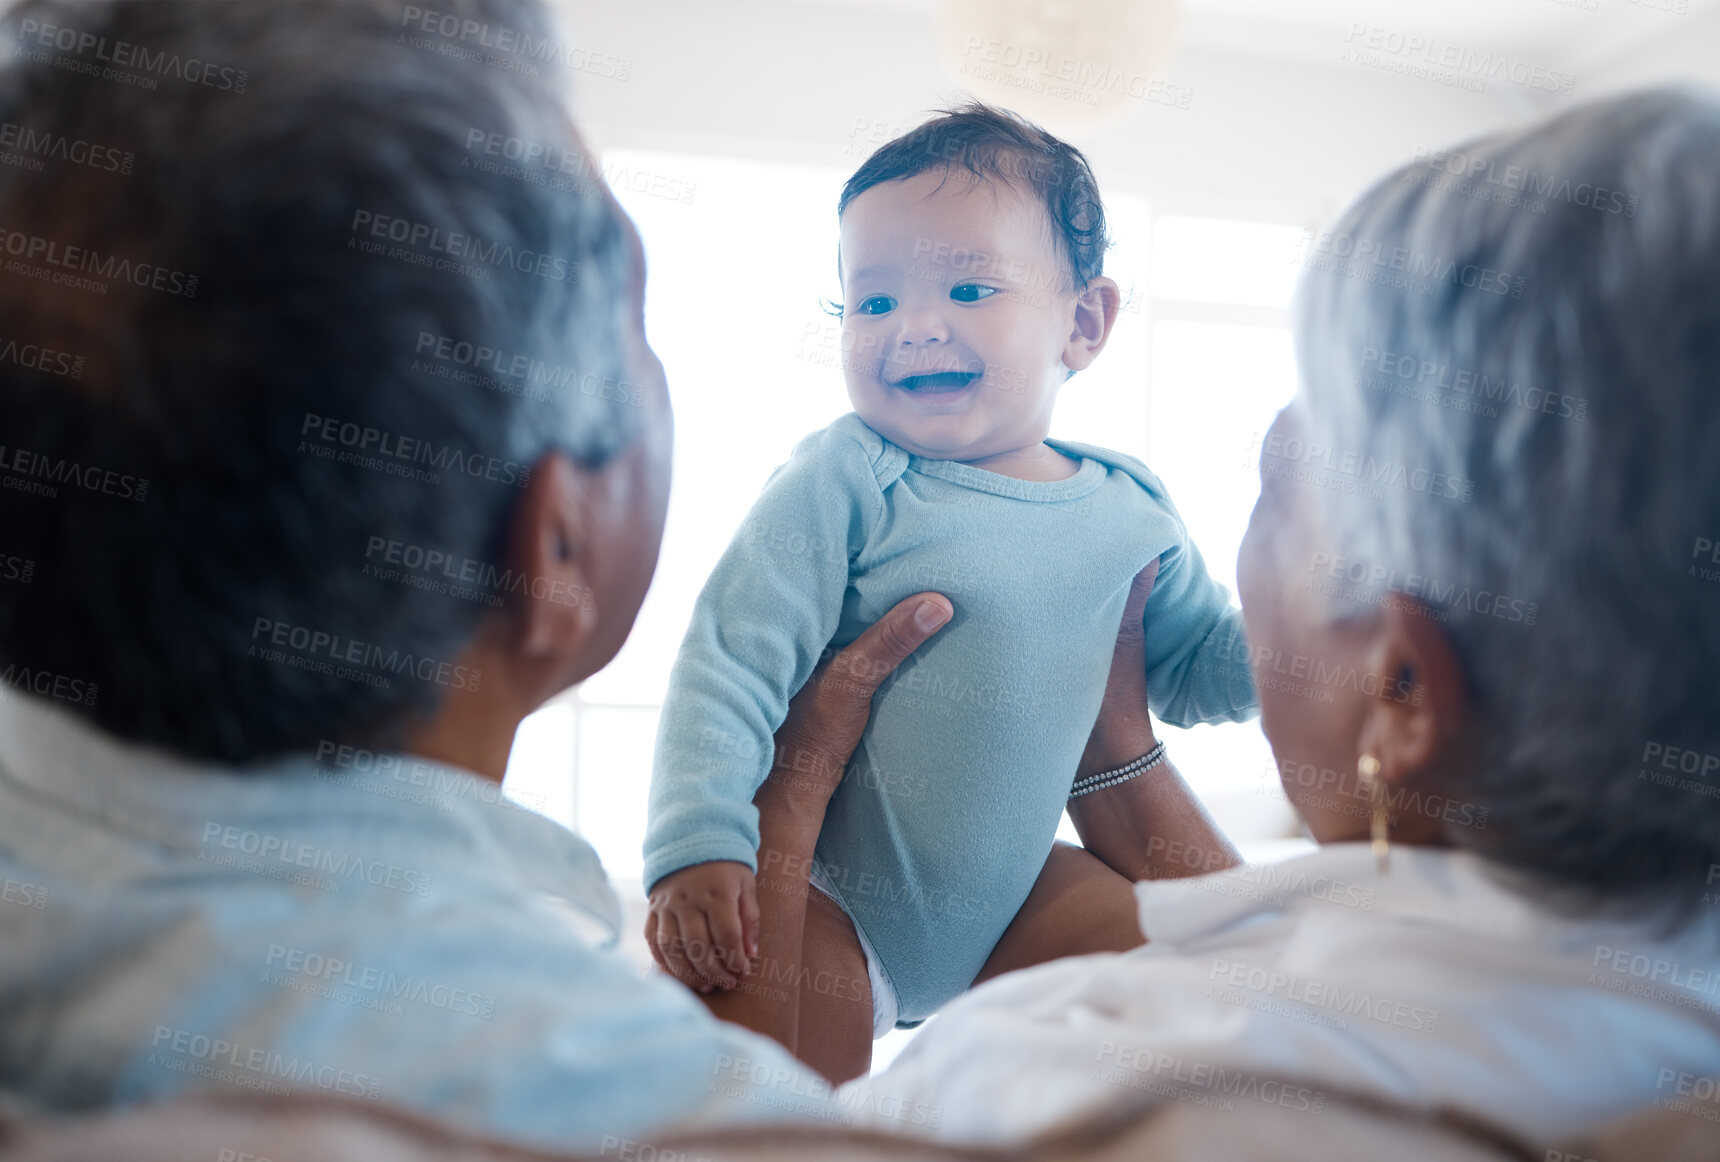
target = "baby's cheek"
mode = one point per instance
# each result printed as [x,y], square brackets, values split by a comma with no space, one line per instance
[1009,380]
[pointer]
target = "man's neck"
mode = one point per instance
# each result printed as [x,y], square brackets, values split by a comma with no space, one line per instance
[473,727]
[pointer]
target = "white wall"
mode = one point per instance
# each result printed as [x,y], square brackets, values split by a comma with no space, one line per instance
[1261,138]
[1689,50]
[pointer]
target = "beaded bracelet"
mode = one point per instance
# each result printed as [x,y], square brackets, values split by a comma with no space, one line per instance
[1122,774]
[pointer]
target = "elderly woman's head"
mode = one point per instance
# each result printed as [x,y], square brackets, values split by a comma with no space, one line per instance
[1484,549]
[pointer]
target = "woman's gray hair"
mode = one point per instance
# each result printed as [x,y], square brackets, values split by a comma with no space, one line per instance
[1512,349]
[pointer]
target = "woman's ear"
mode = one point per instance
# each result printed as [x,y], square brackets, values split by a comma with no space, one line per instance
[1419,711]
[1096,310]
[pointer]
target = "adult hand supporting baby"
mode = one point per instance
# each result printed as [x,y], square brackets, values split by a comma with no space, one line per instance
[1152,826]
[813,746]
[827,717]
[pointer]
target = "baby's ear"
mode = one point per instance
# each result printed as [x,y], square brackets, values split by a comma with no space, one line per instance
[1096,307]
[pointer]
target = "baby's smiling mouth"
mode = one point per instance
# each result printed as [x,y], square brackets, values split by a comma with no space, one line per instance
[936,381]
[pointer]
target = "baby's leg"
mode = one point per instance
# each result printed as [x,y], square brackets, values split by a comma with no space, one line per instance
[1077,905]
[835,995]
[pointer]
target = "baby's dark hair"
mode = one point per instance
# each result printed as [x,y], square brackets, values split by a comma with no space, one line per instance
[995,144]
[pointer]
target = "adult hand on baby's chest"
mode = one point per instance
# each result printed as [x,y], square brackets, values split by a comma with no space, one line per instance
[829,714]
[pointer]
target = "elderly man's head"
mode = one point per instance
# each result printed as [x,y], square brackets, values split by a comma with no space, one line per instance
[1484,515]
[301,301]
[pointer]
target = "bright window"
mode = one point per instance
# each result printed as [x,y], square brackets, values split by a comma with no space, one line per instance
[740,256]
[1215,260]
[1222,366]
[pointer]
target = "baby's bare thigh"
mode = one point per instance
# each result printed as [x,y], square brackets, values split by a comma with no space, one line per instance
[1077,905]
[835,994]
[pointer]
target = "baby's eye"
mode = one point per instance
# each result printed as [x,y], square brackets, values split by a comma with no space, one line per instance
[876,305]
[971,292]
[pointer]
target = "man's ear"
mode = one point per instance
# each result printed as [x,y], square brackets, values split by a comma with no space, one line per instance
[1096,310]
[554,610]
[1421,708]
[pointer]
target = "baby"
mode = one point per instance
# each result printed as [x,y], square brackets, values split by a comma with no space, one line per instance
[970,261]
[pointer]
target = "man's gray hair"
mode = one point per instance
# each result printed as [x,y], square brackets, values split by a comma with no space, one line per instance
[1516,343]
[380,279]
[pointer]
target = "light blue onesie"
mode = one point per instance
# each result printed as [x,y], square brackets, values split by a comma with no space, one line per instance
[952,800]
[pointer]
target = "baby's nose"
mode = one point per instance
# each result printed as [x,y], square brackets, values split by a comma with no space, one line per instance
[918,327]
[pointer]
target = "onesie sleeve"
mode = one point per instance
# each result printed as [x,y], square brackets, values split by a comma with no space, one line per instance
[767,612]
[1197,654]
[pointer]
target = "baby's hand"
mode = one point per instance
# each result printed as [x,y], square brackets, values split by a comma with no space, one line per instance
[703,924]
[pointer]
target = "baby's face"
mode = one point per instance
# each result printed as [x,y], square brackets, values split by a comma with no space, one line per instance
[957,313]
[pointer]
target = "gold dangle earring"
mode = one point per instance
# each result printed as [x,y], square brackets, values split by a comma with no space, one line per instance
[1380,823]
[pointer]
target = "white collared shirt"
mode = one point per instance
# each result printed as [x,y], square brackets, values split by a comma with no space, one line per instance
[401,933]
[1437,985]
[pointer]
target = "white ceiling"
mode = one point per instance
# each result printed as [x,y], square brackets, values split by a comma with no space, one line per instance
[1551,33]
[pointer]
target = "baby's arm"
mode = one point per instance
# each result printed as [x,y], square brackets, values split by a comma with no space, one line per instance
[770,607]
[1197,653]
